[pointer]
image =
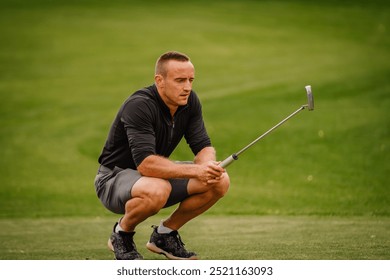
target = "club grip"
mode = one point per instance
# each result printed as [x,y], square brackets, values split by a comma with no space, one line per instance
[226,162]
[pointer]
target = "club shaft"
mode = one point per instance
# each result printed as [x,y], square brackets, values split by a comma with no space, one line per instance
[234,156]
[269,131]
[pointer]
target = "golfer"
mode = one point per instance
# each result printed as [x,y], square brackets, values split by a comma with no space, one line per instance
[136,179]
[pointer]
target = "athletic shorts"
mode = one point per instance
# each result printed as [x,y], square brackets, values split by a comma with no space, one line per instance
[113,187]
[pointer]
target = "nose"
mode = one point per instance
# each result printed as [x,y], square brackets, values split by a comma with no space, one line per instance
[188,85]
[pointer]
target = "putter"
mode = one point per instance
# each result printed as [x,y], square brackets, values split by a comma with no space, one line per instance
[309,106]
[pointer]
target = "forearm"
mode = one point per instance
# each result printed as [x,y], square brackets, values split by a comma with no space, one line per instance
[205,168]
[160,167]
[205,155]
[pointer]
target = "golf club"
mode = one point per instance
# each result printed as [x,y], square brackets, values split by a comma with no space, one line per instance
[309,106]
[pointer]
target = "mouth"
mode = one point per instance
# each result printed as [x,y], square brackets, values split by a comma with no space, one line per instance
[184,95]
[183,99]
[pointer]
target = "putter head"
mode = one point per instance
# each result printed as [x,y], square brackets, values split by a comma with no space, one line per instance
[310,99]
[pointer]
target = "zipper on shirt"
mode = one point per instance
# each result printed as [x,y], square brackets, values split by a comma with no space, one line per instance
[171,132]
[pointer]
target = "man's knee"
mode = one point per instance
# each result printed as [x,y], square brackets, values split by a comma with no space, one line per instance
[159,192]
[221,188]
[154,192]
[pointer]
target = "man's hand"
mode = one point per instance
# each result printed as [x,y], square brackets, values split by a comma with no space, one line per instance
[210,172]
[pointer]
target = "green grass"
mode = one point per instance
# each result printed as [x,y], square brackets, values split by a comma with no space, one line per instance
[66,66]
[227,237]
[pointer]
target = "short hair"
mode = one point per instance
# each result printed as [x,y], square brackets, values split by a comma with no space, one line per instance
[164,58]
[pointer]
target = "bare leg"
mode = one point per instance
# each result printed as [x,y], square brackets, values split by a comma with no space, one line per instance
[200,200]
[149,195]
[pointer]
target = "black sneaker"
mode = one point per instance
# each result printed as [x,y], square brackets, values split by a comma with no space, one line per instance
[169,245]
[123,246]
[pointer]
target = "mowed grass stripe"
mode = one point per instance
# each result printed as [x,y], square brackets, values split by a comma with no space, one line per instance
[212,237]
[67,66]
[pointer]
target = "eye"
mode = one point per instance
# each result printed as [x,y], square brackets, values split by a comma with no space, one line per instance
[183,80]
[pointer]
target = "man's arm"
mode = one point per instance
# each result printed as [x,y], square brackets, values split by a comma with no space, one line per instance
[206,154]
[205,168]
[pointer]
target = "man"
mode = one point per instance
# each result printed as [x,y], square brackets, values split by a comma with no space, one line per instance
[136,178]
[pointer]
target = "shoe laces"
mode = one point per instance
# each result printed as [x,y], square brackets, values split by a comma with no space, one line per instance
[177,237]
[128,240]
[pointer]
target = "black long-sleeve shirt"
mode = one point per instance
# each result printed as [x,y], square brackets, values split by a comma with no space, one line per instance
[144,126]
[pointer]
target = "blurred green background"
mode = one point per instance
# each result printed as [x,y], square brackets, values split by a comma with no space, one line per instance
[66,67]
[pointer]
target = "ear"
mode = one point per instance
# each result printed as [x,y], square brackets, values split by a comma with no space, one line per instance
[159,80]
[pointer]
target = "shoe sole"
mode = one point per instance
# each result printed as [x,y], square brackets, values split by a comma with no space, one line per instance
[153,248]
[111,248]
[109,244]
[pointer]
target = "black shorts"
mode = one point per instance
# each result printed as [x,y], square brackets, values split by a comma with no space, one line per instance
[113,187]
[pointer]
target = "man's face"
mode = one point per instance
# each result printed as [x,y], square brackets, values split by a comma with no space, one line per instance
[176,86]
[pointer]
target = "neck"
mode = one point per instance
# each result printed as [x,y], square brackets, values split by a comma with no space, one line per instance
[172,107]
